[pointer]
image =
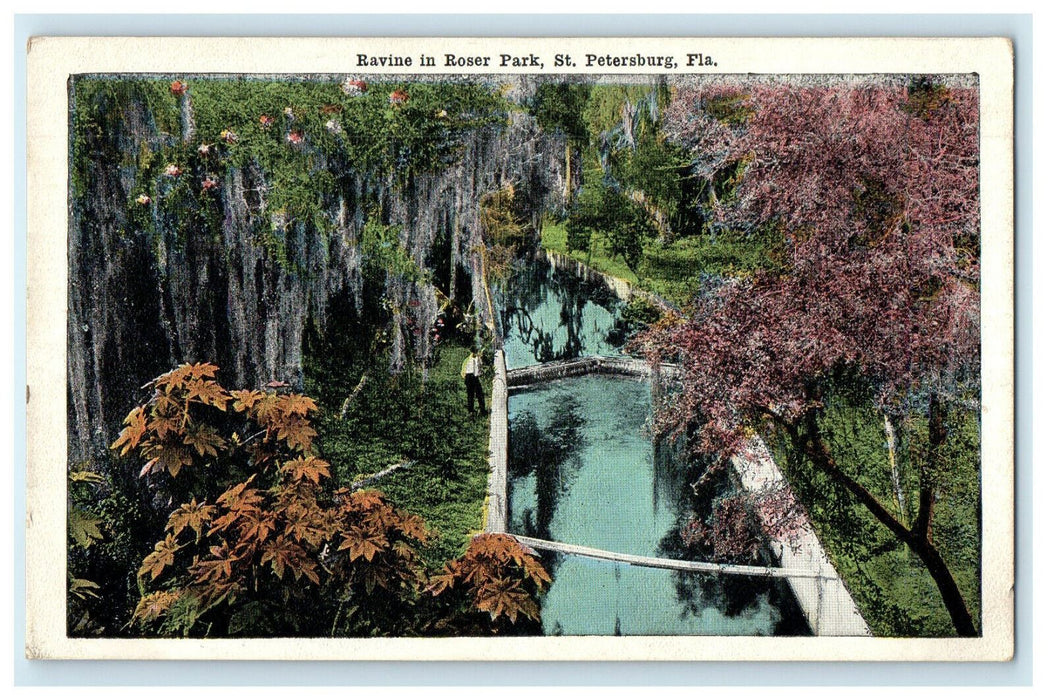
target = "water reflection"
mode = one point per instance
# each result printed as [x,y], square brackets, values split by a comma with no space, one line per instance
[548,457]
[733,596]
[549,314]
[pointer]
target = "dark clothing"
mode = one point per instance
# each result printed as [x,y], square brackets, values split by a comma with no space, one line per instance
[474,390]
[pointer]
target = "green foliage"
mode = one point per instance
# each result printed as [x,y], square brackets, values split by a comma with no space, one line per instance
[98,109]
[101,569]
[925,96]
[640,313]
[606,104]
[625,225]
[504,215]
[303,138]
[890,585]
[732,109]
[392,419]
[673,270]
[383,250]
[577,235]
[559,107]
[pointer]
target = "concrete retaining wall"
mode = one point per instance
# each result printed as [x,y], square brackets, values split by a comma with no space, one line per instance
[828,607]
[497,509]
[620,287]
[562,369]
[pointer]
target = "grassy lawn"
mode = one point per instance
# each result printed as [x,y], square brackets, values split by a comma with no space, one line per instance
[395,418]
[554,237]
[671,270]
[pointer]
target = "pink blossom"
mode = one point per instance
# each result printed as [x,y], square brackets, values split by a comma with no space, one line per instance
[352,87]
[173,170]
[878,269]
[295,137]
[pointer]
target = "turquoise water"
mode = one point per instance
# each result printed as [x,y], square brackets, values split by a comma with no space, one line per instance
[551,315]
[584,471]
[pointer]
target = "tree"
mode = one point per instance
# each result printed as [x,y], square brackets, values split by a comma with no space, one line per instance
[262,546]
[559,107]
[625,225]
[875,191]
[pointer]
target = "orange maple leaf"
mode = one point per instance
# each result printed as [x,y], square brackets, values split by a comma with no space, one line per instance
[311,468]
[172,459]
[207,392]
[502,597]
[161,424]
[172,379]
[154,605]
[204,439]
[362,544]
[130,436]
[297,404]
[203,369]
[282,554]
[245,399]
[297,433]
[190,515]
[164,554]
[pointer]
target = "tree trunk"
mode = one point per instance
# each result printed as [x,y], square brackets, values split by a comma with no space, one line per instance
[891,445]
[922,531]
[919,537]
[949,589]
[568,186]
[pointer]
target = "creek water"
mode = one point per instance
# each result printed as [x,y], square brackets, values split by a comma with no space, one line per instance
[584,470]
[549,314]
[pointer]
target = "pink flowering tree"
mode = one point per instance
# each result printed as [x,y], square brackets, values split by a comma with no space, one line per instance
[874,193]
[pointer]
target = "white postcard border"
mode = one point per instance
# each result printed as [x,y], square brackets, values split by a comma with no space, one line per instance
[52,60]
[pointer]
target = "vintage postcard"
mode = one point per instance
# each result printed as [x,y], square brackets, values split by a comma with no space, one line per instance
[642,349]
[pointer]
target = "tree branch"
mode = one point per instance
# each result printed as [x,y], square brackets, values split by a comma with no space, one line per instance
[812,444]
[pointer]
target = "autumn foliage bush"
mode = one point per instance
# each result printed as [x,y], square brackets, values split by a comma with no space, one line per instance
[262,545]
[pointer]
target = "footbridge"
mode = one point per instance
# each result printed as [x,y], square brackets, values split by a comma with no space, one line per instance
[701,567]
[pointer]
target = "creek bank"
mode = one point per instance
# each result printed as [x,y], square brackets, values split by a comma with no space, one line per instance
[620,287]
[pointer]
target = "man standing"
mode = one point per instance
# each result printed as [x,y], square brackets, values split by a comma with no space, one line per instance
[471,369]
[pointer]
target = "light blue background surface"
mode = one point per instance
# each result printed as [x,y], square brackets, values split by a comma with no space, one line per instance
[1017,672]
